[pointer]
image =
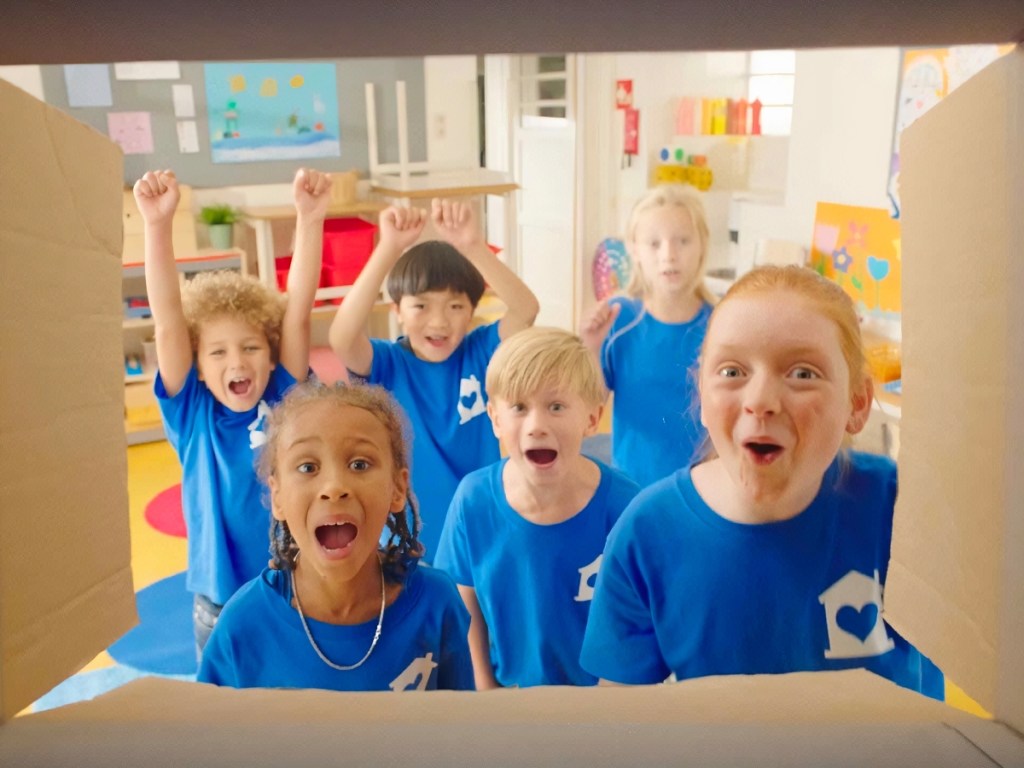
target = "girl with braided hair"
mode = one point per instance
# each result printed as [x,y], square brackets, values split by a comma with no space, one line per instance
[335,609]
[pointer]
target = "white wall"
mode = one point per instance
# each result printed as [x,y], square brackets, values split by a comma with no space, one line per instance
[839,149]
[453,123]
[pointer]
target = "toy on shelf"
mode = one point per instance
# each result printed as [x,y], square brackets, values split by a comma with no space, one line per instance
[611,267]
[679,168]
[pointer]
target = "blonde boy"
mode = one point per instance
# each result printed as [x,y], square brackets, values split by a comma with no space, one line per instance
[524,536]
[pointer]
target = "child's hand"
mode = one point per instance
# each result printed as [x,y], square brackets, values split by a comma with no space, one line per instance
[455,222]
[312,192]
[157,196]
[597,322]
[401,227]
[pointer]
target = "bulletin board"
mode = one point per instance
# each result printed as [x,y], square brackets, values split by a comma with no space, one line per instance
[927,75]
[859,248]
[160,114]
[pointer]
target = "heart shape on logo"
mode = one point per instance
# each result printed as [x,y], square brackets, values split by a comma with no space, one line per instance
[858,623]
[879,268]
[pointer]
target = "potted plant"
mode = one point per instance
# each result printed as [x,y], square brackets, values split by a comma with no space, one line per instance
[219,219]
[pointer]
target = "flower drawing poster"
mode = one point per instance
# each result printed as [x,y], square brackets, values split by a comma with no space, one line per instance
[859,248]
[272,111]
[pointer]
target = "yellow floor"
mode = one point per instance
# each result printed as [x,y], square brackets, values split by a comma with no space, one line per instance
[152,467]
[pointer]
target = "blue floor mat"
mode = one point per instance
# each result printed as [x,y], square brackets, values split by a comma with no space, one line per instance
[163,643]
[88,685]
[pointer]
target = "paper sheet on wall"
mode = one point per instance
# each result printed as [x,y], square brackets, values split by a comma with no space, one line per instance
[88,85]
[132,130]
[188,137]
[28,77]
[147,70]
[184,102]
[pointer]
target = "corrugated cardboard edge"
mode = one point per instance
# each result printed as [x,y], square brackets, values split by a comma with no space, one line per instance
[956,580]
[65,579]
[843,718]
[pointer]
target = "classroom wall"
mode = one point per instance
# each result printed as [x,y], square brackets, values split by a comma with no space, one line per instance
[155,96]
[838,151]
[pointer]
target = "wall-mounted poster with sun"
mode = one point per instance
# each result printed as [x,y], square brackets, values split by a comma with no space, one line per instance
[272,111]
[926,76]
[859,248]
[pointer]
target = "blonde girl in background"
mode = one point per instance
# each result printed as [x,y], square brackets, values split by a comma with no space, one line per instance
[647,341]
[771,556]
[336,610]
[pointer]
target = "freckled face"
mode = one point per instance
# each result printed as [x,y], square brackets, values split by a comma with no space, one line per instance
[775,393]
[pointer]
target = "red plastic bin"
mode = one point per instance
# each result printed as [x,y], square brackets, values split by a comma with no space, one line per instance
[348,244]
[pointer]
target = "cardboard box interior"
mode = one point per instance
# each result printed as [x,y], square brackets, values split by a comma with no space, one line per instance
[65,587]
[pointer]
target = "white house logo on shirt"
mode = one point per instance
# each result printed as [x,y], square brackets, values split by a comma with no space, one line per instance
[588,575]
[471,399]
[257,436]
[853,613]
[416,676]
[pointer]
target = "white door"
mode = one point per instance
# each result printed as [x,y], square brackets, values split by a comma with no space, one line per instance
[544,139]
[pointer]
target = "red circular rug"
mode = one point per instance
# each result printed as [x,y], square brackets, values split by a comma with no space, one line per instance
[164,512]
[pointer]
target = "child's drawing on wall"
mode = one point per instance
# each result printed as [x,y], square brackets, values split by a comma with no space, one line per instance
[272,111]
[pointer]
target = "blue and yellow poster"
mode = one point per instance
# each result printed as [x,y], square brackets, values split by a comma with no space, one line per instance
[272,111]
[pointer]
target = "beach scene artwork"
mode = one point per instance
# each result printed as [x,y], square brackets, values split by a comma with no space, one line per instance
[272,111]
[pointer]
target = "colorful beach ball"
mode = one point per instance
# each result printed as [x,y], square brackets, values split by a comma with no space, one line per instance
[611,268]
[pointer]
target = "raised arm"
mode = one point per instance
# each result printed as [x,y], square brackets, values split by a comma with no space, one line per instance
[595,325]
[399,229]
[312,193]
[456,222]
[479,641]
[156,194]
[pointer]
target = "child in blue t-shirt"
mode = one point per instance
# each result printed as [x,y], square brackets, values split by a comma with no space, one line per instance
[335,611]
[524,536]
[647,341]
[436,369]
[771,556]
[227,348]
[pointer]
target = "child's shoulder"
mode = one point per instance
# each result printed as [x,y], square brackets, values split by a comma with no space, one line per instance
[434,584]
[870,469]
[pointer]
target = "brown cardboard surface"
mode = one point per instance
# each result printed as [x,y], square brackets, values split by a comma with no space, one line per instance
[846,718]
[65,583]
[956,581]
[65,588]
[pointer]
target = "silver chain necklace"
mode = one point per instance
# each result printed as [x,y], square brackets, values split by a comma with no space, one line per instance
[376,634]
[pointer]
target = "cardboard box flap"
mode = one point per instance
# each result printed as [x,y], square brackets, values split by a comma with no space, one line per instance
[65,581]
[799,697]
[852,718]
[956,580]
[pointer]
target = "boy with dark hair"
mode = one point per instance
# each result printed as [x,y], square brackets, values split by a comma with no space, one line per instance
[436,369]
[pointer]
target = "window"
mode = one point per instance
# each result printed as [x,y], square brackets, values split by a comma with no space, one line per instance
[772,75]
[543,86]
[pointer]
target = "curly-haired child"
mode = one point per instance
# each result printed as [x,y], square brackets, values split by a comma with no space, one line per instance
[336,610]
[227,348]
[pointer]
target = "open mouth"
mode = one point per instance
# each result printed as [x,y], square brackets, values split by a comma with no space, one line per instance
[763,452]
[240,386]
[336,537]
[436,341]
[542,457]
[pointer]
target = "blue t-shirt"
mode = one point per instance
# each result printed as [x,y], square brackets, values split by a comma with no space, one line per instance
[683,590]
[534,582]
[447,410]
[223,501]
[259,642]
[651,368]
